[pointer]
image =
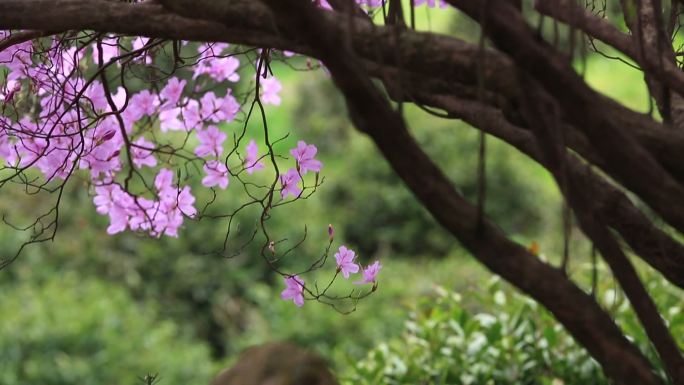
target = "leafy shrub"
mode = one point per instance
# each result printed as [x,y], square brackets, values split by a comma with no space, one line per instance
[445,343]
[72,331]
[503,337]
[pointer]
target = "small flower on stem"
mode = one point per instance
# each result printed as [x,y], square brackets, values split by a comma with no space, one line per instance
[370,274]
[345,261]
[294,290]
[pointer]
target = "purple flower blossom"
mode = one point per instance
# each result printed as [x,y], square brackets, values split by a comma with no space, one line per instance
[104,198]
[144,102]
[370,273]
[163,180]
[270,87]
[252,162]
[290,183]
[172,92]
[217,174]
[185,202]
[143,156]
[114,201]
[95,94]
[110,49]
[211,142]
[345,261]
[304,154]
[191,115]
[118,220]
[294,290]
[221,69]
[168,120]
[218,109]
[431,3]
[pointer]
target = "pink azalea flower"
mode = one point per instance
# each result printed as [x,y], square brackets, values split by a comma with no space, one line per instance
[294,290]
[174,199]
[229,108]
[168,120]
[145,102]
[221,69]
[112,200]
[139,43]
[431,3]
[191,115]
[141,156]
[304,154]
[110,49]
[212,49]
[345,261]
[95,94]
[164,179]
[104,146]
[118,220]
[290,183]
[185,202]
[147,215]
[370,3]
[370,274]
[217,174]
[211,141]
[209,104]
[8,90]
[172,92]
[104,198]
[270,87]
[251,159]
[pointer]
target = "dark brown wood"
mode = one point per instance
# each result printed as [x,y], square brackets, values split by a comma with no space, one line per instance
[371,114]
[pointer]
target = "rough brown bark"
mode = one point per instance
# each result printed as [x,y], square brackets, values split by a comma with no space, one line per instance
[432,58]
[543,115]
[625,157]
[652,244]
[373,115]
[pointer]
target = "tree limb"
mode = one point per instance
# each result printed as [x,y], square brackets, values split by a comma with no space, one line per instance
[373,115]
[624,155]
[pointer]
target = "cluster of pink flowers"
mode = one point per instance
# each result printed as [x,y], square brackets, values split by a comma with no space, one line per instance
[73,128]
[57,120]
[304,154]
[346,265]
[344,258]
[162,216]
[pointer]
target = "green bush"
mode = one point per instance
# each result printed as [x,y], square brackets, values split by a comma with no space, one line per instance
[502,338]
[67,331]
[445,343]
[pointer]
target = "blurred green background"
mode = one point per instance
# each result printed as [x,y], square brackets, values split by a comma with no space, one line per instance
[94,309]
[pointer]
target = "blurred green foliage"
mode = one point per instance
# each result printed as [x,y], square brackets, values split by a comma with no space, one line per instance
[497,336]
[67,330]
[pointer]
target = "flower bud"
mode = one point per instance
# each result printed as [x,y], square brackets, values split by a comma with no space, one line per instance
[331,232]
[108,135]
